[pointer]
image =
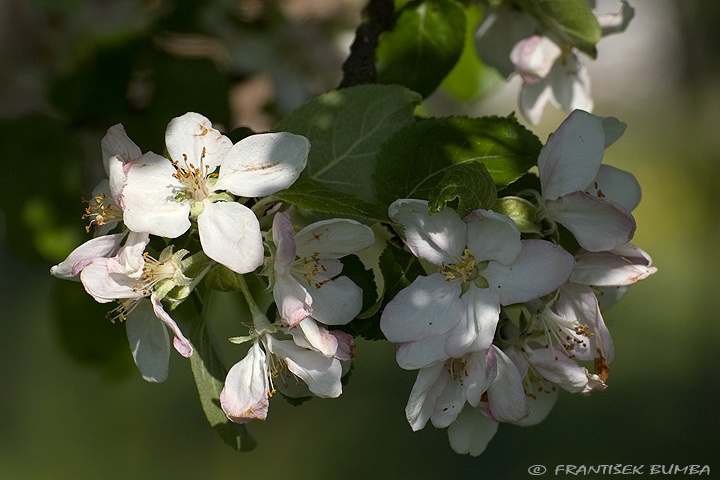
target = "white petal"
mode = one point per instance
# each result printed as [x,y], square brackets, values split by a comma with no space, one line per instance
[192,138]
[597,224]
[263,164]
[471,432]
[105,287]
[533,98]
[438,238]
[422,353]
[570,159]
[449,404]
[130,260]
[492,236]
[429,385]
[308,334]
[506,395]
[616,185]
[612,269]
[428,306]
[99,247]
[579,302]
[539,269]
[336,302]
[476,329]
[614,129]
[230,235]
[149,198]
[500,30]
[616,22]
[292,300]
[333,238]
[284,239]
[534,57]
[345,346]
[540,403]
[245,394]
[181,344]
[116,142]
[322,375]
[570,83]
[481,373]
[149,342]
[559,369]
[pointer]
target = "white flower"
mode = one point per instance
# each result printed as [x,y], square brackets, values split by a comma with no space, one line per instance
[591,200]
[105,207]
[253,379]
[140,282]
[307,268]
[162,197]
[98,247]
[482,264]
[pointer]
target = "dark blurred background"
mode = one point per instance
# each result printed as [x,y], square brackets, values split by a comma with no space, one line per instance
[72,405]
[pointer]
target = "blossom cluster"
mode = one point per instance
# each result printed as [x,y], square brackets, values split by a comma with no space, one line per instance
[508,313]
[505,318]
[513,41]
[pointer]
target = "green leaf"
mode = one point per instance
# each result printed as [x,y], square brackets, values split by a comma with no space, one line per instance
[423,47]
[571,20]
[468,186]
[223,279]
[346,128]
[414,160]
[313,195]
[209,373]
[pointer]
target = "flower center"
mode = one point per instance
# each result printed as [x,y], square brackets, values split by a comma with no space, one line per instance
[465,269]
[309,268]
[197,180]
[101,210]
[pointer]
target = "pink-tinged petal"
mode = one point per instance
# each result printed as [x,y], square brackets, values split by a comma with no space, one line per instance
[345,345]
[105,287]
[321,374]
[284,239]
[616,185]
[99,247]
[428,306]
[117,179]
[558,368]
[540,268]
[308,334]
[506,395]
[438,238]
[580,303]
[230,235]
[500,30]
[622,266]
[492,236]
[481,373]
[336,302]
[130,260]
[149,342]
[333,238]
[117,143]
[570,159]
[534,57]
[471,432]
[570,83]
[597,224]
[181,344]
[191,138]
[616,22]
[476,329]
[263,164]
[533,98]
[245,394]
[540,403]
[149,198]
[449,404]
[292,299]
[429,385]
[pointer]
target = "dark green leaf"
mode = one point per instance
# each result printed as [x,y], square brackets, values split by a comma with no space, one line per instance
[571,20]
[414,160]
[223,279]
[468,186]
[209,373]
[313,195]
[423,47]
[346,128]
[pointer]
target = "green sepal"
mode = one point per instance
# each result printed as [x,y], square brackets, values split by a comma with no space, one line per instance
[521,211]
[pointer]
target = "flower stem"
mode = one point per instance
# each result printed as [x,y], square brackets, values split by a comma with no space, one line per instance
[260,321]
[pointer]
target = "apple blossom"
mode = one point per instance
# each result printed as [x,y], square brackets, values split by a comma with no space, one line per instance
[482,264]
[162,197]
